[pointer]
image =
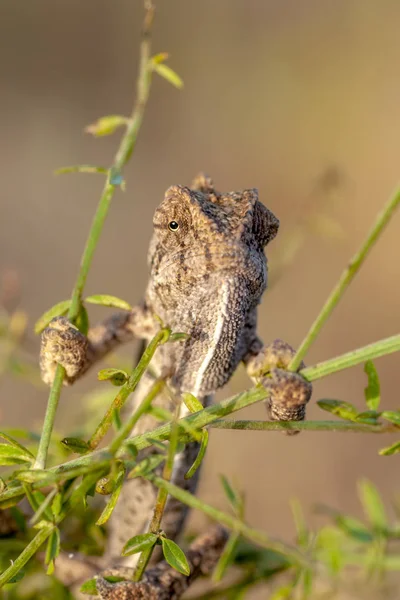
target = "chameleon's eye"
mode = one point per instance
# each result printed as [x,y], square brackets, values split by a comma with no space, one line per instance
[173,225]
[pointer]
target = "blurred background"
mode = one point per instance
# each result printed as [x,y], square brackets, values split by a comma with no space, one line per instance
[298,99]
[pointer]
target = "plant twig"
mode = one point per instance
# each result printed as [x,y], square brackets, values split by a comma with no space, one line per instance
[215,412]
[338,426]
[124,151]
[346,278]
[292,554]
[162,497]
[160,338]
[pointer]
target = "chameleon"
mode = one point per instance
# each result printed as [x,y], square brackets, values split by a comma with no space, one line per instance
[207,274]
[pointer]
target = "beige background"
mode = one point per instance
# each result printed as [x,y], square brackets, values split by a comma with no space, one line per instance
[277,94]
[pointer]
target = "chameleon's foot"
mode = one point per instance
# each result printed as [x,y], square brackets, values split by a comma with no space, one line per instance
[62,343]
[290,392]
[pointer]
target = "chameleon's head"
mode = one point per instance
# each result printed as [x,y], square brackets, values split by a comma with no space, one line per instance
[199,231]
[208,271]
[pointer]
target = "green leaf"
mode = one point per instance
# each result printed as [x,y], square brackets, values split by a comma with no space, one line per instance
[179,337]
[146,466]
[389,450]
[168,74]
[138,543]
[89,587]
[107,300]
[354,528]
[75,445]
[57,310]
[108,509]
[13,455]
[16,444]
[81,169]
[392,416]
[191,402]
[82,320]
[344,410]
[115,376]
[368,416]
[17,577]
[373,389]
[175,556]
[199,458]
[373,506]
[234,497]
[52,550]
[3,485]
[106,125]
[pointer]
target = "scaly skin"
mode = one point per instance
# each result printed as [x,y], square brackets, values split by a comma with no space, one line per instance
[208,271]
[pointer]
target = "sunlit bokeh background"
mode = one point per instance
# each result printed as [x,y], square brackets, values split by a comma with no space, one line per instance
[298,99]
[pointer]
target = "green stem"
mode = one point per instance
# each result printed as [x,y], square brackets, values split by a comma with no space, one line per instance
[346,278]
[352,358]
[26,554]
[143,407]
[338,426]
[213,413]
[123,153]
[162,497]
[231,522]
[48,424]
[160,338]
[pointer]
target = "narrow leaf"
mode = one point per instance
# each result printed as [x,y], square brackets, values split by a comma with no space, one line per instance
[108,509]
[138,543]
[373,505]
[373,389]
[52,550]
[75,445]
[146,466]
[392,416]
[13,455]
[199,458]
[168,74]
[107,300]
[57,310]
[233,497]
[115,376]
[106,125]
[81,169]
[89,587]
[175,556]
[16,444]
[389,450]
[344,410]
[191,402]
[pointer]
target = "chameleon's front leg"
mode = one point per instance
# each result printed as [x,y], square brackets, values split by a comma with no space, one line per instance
[62,343]
[289,391]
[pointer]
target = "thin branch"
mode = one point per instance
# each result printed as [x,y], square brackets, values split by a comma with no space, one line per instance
[258,537]
[126,390]
[346,278]
[124,151]
[337,426]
